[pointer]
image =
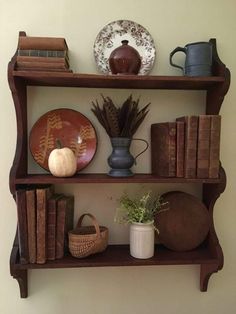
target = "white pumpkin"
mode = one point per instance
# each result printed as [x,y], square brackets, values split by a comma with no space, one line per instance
[62,162]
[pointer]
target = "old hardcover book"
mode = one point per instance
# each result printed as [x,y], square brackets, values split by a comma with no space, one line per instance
[203,146]
[31,223]
[22,226]
[163,149]
[65,217]
[23,59]
[214,159]
[42,195]
[42,65]
[42,43]
[43,53]
[179,149]
[38,69]
[51,226]
[190,153]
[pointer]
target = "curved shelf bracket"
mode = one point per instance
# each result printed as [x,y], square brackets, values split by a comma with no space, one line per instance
[205,273]
[211,192]
[20,275]
[215,96]
[18,90]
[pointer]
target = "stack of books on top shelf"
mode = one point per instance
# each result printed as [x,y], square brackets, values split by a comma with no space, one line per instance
[42,54]
[188,147]
[44,219]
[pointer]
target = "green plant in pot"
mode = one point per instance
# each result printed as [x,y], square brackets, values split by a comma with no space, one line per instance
[120,124]
[139,212]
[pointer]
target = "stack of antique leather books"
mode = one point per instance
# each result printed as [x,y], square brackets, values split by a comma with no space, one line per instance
[42,54]
[46,217]
[188,147]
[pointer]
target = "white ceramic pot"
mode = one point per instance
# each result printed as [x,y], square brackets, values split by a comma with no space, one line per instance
[142,240]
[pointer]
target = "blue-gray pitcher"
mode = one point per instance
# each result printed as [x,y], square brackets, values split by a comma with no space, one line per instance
[198,61]
[121,159]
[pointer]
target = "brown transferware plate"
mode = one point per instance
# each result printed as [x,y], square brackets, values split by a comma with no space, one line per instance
[73,130]
[186,223]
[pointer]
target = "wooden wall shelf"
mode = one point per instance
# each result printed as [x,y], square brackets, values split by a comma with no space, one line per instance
[104,178]
[118,255]
[120,81]
[209,256]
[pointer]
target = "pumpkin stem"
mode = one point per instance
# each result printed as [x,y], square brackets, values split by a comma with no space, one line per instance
[58,143]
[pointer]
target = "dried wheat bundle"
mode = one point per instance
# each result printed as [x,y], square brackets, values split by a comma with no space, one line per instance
[120,122]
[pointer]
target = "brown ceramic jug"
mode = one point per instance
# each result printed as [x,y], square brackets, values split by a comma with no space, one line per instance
[125,59]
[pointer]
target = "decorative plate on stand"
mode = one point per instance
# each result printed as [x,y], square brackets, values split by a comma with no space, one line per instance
[110,37]
[73,130]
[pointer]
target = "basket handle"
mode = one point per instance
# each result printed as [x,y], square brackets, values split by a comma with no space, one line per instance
[94,221]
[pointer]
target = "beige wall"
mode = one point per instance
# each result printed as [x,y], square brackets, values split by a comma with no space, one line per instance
[163,290]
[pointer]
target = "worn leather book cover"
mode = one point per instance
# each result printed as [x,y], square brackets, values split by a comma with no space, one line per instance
[203,146]
[214,159]
[42,65]
[179,149]
[42,195]
[31,223]
[42,43]
[190,153]
[65,219]
[22,226]
[22,59]
[51,226]
[38,69]
[163,149]
[43,53]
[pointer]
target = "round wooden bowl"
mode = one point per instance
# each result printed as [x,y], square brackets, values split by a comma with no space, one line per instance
[186,223]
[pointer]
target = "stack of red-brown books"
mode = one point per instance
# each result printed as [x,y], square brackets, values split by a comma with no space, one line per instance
[42,54]
[188,147]
[44,219]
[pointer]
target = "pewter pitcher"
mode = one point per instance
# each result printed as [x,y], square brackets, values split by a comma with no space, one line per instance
[198,61]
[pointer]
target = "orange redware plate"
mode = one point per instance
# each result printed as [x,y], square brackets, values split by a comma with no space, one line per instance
[73,130]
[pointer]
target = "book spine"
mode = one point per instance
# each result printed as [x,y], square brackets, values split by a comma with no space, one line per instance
[43,69]
[179,149]
[22,226]
[42,65]
[172,149]
[41,59]
[65,212]
[214,155]
[42,196]
[51,226]
[60,228]
[50,43]
[163,149]
[31,223]
[203,146]
[190,154]
[43,53]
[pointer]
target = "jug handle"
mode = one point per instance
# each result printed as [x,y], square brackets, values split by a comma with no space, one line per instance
[147,145]
[172,54]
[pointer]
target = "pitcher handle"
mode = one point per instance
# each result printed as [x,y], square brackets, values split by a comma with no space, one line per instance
[172,54]
[147,145]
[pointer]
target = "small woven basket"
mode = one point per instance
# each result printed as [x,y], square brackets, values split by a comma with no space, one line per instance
[87,240]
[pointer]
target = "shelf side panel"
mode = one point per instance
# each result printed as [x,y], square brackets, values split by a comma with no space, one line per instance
[215,96]
[18,90]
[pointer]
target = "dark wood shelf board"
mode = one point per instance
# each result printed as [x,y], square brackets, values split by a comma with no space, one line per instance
[60,79]
[104,178]
[118,255]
